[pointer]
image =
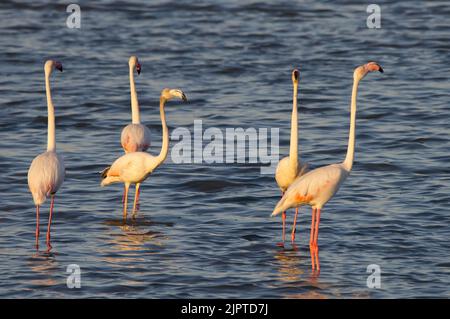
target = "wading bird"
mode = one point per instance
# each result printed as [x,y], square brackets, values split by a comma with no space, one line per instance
[135,167]
[318,186]
[135,136]
[46,173]
[289,168]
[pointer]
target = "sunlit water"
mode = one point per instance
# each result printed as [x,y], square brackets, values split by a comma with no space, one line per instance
[204,230]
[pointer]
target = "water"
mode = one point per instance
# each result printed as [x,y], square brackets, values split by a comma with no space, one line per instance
[204,230]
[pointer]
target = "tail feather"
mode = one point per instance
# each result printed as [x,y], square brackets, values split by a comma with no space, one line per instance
[105,172]
[110,180]
[106,180]
[279,208]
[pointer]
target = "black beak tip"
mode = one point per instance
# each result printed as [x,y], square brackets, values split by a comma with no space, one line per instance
[381,70]
[184,98]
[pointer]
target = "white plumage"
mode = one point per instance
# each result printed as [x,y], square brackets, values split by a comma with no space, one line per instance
[135,138]
[45,176]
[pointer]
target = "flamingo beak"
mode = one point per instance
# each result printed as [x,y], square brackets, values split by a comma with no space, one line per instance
[296,74]
[373,66]
[58,66]
[183,97]
[138,68]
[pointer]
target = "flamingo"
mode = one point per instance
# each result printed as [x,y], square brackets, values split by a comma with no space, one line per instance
[135,137]
[135,167]
[46,172]
[318,186]
[288,168]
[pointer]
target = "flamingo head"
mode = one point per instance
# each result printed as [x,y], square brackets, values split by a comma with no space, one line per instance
[52,64]
[169,94]
[361,71]
[133,62]
[295,76]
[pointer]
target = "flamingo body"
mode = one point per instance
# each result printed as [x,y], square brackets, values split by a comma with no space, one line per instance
[45,176]
[135,138]
[286,174]
[130,168]
[315,188]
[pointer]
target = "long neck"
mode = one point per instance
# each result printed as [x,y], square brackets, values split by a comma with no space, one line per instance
[51,143]
[135,117]
[293,151]
[348,162]
[165,132]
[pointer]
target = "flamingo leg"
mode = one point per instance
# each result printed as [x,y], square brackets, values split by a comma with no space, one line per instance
[311,238]
[125,201]
[283,234]
[123,195]
[316,237]
[136,200]
[293,228]
[138,191]
[37,226]
[49,246]
[283,218]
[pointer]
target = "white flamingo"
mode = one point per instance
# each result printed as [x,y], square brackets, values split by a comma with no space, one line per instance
[135,136]
[46,173]
[289,168]
[318,186]
[135,167]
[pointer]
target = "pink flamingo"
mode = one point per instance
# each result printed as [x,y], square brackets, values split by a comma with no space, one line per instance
[135,136]
[318,186]
[46,173]
[288,168]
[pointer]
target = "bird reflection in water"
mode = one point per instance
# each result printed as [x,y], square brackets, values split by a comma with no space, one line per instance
[291,272]
[44,266]
[136,233]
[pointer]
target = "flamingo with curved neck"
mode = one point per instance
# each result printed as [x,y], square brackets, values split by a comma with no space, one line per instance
[135,167]
[318,186]
[46,172]
[288,168]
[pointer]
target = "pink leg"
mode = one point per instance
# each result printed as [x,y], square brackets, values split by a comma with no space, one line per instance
[125,202]
[316,237]
[293,228]
[138,206]
[311,238]
[123,195]
[283,235]
[37,226]
[49,246]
